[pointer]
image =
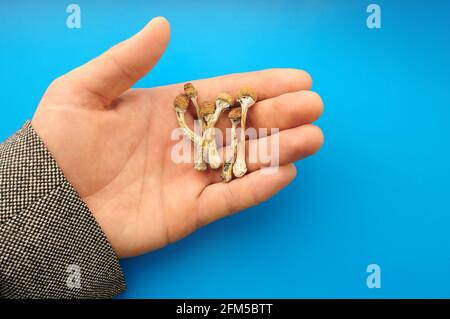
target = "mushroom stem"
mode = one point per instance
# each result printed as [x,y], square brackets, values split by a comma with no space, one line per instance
[197,110]
[240,167]
[223,102]
[246,97]
[181,104]
[209,136]
[186,130]
[199,163]
[192,93]
[228,164]
[209,144]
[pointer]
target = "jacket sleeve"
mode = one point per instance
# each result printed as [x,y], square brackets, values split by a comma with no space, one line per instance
[50,244]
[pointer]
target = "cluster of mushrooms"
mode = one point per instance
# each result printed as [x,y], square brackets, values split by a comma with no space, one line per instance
[208,114]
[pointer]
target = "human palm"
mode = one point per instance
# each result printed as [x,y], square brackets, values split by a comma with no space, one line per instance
[114,144]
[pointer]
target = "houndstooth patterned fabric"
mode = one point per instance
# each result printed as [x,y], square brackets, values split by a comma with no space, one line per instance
[50,244]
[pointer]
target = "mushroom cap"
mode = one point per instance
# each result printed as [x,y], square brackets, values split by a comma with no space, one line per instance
[226,98]
[235,113]
[207,108]
[190,90]
[247,91]
[181,101]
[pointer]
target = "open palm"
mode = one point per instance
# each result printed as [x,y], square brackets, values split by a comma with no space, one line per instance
[114,144]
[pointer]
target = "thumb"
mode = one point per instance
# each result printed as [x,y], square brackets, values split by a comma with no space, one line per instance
[116,70]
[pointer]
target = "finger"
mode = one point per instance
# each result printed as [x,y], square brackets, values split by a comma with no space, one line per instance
[266,83]
[277,149]
[116,70]
[283,112]
[284,147]
[222,199]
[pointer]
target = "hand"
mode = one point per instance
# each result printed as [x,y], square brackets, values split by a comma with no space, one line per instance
[114,144]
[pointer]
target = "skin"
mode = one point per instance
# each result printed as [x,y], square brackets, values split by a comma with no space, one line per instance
[113,143]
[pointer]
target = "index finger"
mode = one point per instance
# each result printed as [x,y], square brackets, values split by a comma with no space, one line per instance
[266,83]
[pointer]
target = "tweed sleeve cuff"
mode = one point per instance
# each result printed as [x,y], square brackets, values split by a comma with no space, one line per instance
[50,244]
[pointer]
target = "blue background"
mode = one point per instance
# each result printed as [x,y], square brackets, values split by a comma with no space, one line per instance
[378,191]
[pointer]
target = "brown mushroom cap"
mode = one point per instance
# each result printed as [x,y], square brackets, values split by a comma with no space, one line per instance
[207,108]
[181,101]
[226,98]
[190,90]
[247,91]
[235,113]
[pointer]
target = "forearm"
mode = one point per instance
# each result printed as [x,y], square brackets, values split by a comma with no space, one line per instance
[46,230]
